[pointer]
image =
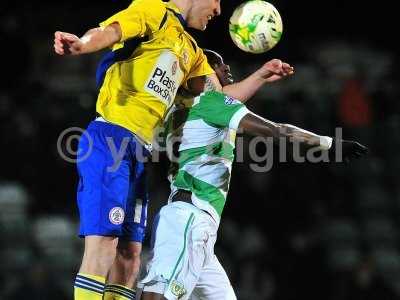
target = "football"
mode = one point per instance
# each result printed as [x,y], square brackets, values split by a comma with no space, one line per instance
[255,26]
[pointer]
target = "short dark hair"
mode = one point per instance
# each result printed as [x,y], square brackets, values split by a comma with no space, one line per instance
[212,57]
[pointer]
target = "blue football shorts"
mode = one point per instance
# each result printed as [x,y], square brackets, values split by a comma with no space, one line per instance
[112,193]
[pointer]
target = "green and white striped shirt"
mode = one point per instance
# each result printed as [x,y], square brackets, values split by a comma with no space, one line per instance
[206,152]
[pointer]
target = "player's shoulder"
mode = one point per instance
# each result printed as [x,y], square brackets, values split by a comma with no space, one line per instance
[194,43]
[211,95]
[151,8]
[150,4]
[208,103]
[217,98]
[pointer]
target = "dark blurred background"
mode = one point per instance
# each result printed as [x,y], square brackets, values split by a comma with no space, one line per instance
[299,231]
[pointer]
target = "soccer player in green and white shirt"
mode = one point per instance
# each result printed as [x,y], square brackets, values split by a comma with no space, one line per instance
[183,264]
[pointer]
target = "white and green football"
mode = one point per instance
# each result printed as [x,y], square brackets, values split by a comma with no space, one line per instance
[255,26]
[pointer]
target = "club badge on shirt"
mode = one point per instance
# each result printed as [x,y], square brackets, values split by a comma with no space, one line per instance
[230,101]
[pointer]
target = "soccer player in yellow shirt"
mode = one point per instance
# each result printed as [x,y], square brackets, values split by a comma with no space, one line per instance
[152,55]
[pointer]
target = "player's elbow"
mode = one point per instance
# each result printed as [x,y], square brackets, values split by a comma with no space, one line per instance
[113,33]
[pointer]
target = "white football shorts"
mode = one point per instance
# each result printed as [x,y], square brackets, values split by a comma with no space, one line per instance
[182,264]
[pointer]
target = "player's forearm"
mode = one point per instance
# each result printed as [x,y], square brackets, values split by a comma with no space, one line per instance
[245,89]
[258,126]
[296,134]
[99,38]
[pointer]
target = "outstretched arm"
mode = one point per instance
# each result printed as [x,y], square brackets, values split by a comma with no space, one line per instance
[243,90]
[255,125]
[93,40]
[271,71]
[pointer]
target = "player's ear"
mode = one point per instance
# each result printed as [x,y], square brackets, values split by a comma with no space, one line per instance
[196,85]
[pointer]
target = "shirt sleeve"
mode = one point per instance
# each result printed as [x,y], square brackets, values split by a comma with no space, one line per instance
[221,110]
[140,18]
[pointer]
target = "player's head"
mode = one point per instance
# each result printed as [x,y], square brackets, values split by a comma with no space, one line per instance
[222,70]
[199,12]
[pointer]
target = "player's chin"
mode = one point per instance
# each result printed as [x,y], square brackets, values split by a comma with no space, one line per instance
[203,25]
[198,26]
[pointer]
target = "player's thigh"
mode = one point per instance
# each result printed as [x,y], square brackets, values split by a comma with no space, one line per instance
[100,248]
[213,283]
[99,254]
[178,252]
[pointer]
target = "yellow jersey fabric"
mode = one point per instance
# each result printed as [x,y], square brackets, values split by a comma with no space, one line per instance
[141,84]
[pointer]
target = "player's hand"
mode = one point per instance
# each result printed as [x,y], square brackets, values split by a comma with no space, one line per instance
[67,44]
[275,70]
[346,150]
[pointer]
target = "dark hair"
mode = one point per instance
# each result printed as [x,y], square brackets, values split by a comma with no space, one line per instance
[212,57]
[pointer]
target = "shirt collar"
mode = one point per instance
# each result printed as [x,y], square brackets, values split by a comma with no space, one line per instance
[176,11]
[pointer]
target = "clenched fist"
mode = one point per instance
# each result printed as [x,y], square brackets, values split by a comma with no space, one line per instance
[67,44]
[274,70]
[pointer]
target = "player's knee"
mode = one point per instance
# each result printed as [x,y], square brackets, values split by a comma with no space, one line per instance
[129,254]
[99,253]
[101,244]
[129,250]
[101,250]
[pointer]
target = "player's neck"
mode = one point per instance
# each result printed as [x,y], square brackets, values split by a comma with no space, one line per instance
[183,6]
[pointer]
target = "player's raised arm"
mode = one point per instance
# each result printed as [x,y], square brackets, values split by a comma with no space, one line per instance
[255,125]
[137,20]
[93,40]
[271,71]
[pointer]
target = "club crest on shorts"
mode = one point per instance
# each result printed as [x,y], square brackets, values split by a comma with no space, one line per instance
[177,289]
[116,215]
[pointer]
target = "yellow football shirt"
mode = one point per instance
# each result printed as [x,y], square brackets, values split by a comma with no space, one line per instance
[142,81]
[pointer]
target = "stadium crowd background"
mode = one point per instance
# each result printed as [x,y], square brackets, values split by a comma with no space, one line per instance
[299,231]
